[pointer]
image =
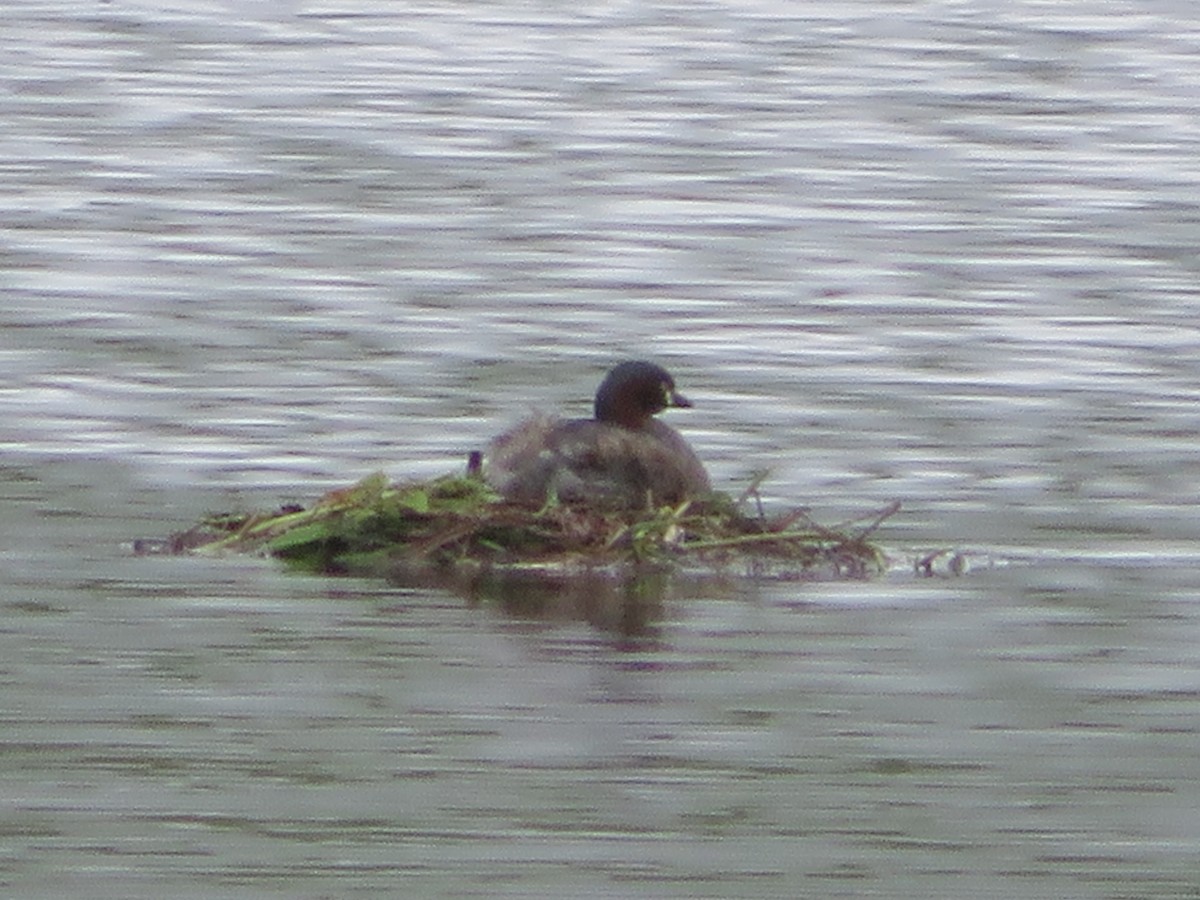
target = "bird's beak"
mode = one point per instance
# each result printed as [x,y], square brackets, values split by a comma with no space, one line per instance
[677,399]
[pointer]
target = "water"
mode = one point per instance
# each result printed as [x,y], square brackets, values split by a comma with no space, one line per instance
[936,252]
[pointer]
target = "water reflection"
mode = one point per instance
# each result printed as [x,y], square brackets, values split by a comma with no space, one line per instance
[627,605]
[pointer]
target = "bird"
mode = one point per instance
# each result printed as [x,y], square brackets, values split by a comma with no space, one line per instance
[621,458]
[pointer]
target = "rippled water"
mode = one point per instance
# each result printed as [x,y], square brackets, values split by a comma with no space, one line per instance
[937,252]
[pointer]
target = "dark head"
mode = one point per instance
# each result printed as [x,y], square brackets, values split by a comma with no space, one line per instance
[633,392]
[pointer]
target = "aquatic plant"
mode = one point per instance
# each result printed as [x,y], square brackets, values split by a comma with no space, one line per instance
[458,526]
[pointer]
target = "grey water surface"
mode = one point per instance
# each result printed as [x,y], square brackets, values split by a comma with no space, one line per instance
[944,253]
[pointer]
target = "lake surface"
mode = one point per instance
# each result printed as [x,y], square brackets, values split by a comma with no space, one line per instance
[941,253]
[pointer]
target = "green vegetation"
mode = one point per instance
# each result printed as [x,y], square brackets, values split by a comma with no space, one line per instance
[457,526]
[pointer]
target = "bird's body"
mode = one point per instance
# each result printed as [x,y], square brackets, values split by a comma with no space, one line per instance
[621,458]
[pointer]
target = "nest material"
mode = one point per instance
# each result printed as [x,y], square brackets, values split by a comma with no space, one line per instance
[458,524]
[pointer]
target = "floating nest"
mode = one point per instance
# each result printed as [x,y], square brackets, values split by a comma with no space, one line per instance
[458,527]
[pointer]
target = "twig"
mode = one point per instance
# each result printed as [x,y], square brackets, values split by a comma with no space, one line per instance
[876,520]
[752,491]
[879,519]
